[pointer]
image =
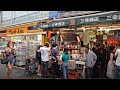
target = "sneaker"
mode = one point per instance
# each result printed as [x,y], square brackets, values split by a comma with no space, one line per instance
[39,74]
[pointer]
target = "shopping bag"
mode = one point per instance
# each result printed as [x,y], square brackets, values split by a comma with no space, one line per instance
[4,59]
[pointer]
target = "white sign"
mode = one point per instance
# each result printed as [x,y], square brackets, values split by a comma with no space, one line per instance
[91,19]
[58,24]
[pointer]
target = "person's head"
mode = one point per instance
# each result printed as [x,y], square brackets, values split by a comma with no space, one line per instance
[119,45]
[94,45]
[39,46]
[112,48]
[10,44]
[87,50]
[54,45]
[66,50]
[46,44]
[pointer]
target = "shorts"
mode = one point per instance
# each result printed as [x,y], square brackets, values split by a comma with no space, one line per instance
[10,60]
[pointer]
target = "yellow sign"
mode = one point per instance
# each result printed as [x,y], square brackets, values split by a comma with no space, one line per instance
[13,39]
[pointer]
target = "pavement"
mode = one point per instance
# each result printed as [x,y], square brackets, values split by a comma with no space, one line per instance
[17,73]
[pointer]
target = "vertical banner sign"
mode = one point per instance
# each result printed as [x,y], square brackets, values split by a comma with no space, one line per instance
[72,22]
[48,33]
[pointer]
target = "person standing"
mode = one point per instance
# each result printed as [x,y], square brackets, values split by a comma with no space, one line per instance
[54,58]
[45,59]
[90,58]
[111,65]
[117,63]
[38,59]
[10,56]
[65,59]
[95,67]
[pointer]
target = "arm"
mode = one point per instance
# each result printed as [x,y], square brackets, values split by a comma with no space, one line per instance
[49,52]
[95,56]
[111,56]
[84,58]
[116,53]
[57,55]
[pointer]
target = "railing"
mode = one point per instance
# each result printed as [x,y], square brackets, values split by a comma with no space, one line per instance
[24,19]
[76,13]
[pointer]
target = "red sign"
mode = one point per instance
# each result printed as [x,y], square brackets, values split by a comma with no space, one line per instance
[72,22]
[49,34]
[112,41]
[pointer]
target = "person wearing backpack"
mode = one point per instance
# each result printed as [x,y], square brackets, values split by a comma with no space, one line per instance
[65,59]
[90,59]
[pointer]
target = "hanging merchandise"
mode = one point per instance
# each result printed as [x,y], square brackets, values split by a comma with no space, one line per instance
[13,39]
[18,38]
[20,54]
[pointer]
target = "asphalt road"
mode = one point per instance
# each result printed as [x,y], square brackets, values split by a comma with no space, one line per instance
[17,73]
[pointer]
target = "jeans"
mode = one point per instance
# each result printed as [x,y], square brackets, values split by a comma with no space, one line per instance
[65,69]
[44,68]
[117,72]
[89,72]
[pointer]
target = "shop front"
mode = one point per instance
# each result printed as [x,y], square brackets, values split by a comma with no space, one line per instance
[89,28]
[3,42]
[26,41]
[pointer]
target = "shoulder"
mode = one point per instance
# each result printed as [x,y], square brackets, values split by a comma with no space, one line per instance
[41,48]
[63,54]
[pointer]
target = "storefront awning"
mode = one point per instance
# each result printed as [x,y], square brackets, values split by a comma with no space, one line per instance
[81,20]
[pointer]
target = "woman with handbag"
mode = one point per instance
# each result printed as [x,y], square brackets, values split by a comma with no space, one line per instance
[10,56]
[111,64]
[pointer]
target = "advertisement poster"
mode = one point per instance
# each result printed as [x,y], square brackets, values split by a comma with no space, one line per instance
[18,38]
[13,39]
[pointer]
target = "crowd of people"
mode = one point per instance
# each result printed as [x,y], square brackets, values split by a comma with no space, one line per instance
[101,61]
[42,55]
[108,61]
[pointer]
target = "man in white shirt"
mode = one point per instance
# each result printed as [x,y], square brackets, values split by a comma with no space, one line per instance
[45,58]
[117,63]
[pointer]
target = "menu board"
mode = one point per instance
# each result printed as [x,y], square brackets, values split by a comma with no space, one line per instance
[69,37]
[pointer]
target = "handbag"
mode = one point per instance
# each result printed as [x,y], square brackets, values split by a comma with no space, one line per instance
[54,59]
[4,59]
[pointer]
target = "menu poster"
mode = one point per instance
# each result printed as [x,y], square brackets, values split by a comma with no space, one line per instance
[18,38]
[35,37]
[70,37]
[104,37]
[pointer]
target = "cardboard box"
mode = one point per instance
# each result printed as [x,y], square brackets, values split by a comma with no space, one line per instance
[72,64]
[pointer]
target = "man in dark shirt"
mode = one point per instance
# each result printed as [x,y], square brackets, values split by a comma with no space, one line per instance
[55,66]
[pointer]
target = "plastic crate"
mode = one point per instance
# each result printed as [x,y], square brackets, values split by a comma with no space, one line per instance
[73,74]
